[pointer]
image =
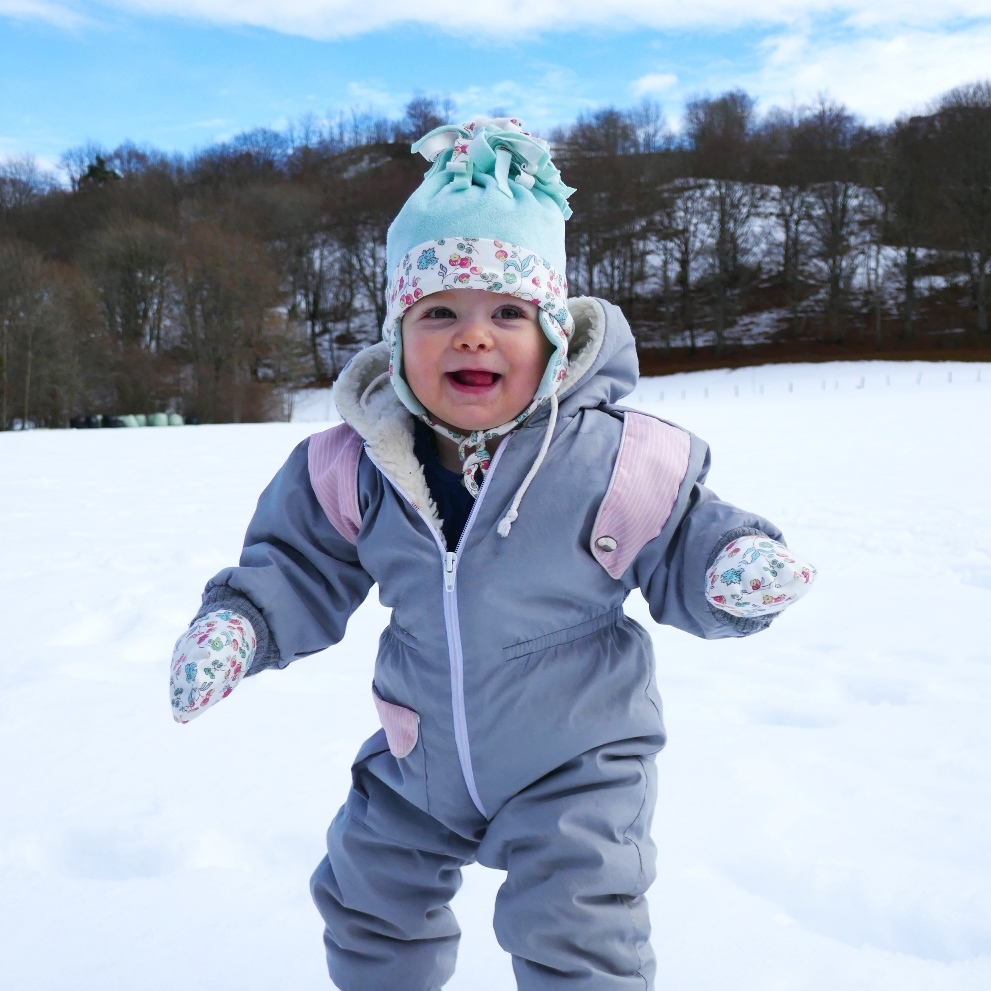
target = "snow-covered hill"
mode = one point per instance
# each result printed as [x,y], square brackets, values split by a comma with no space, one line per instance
[825,801]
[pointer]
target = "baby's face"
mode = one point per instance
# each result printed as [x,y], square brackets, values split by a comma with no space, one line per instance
[473,358]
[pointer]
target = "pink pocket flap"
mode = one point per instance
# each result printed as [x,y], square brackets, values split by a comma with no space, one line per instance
[401,725]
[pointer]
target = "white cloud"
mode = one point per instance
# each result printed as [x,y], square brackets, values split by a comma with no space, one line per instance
[42,10]
[343,18]
[878,76]
[880,57]
[542,100]
[376,94]
[654,82]
[9,154]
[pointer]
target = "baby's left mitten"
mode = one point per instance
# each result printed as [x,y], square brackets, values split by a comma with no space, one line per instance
[209,659]
[756,576]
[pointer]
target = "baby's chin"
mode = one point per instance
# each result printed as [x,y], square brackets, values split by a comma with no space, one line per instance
[470,424]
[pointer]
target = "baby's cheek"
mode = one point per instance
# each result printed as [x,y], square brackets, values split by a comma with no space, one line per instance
[538,363]
[536,355]
[416,363]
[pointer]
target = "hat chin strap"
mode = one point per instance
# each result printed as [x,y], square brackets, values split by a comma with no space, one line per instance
[480,459]
[506,523]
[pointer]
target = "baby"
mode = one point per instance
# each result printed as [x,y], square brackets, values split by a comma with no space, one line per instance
[486,480]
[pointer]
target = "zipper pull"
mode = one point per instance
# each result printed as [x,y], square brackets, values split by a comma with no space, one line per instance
[450,569]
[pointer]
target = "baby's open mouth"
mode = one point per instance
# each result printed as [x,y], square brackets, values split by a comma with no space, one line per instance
[474,377]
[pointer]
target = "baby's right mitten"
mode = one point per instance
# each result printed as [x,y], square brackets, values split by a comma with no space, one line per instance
[209,659]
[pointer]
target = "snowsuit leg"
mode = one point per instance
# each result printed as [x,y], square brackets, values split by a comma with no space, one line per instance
[576,845]
[384,890]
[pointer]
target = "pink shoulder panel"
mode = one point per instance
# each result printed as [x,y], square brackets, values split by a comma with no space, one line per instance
[333,462]
[650,467]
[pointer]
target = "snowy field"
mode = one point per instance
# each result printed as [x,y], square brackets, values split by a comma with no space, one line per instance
[825,808]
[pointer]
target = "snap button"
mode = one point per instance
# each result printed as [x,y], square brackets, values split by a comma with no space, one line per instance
[606,544]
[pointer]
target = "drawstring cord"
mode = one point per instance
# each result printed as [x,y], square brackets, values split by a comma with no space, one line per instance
[506,523]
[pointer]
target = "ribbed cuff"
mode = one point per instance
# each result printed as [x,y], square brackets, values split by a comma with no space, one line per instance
[217,597]
[745,624]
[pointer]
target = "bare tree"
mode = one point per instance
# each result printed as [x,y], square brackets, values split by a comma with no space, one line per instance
[690,236]
[876,209]
[424,113]
[718,131]
[828,137]
[831,219]
[130,264]
[910,184]
[650,127]
[76,161]
[363,207]
[40,336]
[617,223]
[227,290]
[787,170]
[963,118]
[323,294]
[600,132]
[19,267]
[793,215]
[319,289]
[22,183]
[285,358]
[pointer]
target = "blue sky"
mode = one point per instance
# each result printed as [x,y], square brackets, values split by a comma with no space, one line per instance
[180,74]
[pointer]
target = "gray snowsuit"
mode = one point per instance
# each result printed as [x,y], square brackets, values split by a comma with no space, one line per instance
[518,703]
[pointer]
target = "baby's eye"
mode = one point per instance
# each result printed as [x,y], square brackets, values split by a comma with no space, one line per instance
[509,313]
[440,313]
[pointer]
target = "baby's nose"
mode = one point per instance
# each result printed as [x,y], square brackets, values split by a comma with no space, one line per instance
[474,337]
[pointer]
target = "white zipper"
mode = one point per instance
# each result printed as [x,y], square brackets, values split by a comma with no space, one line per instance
[452,622]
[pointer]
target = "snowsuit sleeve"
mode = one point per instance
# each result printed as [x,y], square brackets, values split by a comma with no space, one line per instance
[298,580]
[671,569]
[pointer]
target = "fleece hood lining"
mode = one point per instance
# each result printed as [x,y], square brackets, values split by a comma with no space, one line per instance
[368,403]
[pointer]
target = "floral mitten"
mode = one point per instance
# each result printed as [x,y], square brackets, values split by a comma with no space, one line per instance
[208,661]
[755,576]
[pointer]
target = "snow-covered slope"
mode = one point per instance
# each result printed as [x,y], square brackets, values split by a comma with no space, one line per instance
[825,802]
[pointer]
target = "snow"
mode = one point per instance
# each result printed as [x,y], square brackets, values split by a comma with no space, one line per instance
[825,806]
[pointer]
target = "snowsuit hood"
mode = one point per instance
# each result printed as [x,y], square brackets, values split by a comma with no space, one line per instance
[602,369]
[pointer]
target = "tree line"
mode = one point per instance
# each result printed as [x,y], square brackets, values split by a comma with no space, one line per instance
[217,284]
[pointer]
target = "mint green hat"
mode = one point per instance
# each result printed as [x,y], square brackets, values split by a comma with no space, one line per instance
[489,215]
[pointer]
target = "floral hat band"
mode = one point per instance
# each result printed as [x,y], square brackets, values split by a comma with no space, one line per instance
[475,263]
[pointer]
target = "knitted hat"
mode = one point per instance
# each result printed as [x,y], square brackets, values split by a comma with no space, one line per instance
[489,215]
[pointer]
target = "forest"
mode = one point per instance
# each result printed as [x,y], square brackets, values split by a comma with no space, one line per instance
[216,285]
